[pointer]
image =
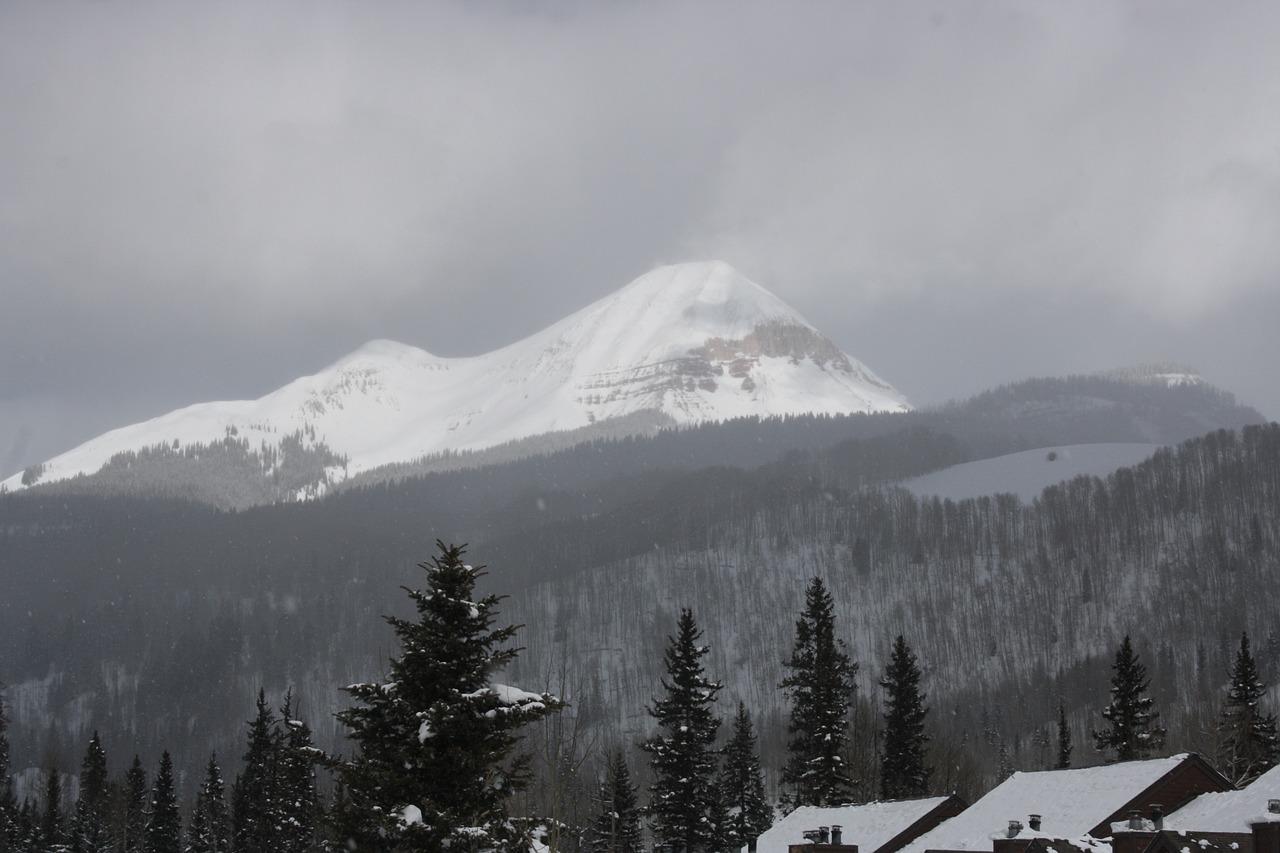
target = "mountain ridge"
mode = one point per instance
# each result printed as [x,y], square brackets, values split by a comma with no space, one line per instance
[696,342]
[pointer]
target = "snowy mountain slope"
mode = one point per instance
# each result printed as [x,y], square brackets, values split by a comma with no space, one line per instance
[695,342]
[1028,473]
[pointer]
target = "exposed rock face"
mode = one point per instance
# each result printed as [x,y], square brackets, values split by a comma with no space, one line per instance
[776,340]
[649,385]
[681,384]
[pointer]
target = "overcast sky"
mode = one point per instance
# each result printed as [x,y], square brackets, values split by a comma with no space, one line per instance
[206,200]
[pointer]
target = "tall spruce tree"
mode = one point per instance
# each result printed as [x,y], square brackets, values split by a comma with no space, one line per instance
[210,830]
[1064,739]
[8,800]
[255,796]
[299,805]
[747,812]
[683,800]
[1247,741]
[134,837]
[91,824]
[28,832]
[1134,730]
[53,831]
[164,825]
[903,770]
[434,767]
[616,828]
[819,687]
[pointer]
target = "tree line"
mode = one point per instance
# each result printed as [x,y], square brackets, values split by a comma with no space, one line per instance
[273,804]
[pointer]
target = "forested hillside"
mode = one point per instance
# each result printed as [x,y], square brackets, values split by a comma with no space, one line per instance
[157,621]
[1012,608]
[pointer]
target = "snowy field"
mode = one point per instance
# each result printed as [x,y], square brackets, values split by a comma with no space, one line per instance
[1027,474]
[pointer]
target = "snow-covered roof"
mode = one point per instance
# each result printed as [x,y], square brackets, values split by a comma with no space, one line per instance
[1229,811]
[1069,802]
[870,825]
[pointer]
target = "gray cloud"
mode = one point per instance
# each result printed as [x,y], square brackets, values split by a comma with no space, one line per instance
[206,200]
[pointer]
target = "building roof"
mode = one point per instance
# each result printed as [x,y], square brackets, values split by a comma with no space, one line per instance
[870,825]
[1229,811]
[1071,803]
[1201,842]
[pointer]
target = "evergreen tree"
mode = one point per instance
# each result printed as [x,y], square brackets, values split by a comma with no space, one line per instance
[198,830]
[1247,742]
[91,825]
[210,830]
[435,740]
[52,830]
[903,771]
[8,801]
[683,801]
[616,828]
[1064,739]
[820,690]
[297,784]
[747,812]
[164,827]
[1134,731]
[1004,762]
[255,800]
[135,809]
[28,831]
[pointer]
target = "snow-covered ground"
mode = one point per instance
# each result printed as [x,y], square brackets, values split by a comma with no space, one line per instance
[1027,474]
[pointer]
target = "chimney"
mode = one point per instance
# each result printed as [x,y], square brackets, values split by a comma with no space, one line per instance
[836,833]
[1157,816]
[1135,819]
[1015,826]
[1273,806]
[824,835]
[1034,822]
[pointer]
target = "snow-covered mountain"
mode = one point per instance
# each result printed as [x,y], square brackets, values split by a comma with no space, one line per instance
[692,342]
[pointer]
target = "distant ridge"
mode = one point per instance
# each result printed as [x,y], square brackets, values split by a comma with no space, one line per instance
[1167,374]
[683,344]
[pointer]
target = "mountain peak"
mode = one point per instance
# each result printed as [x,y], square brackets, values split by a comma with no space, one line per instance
[384,348]
[710,293]
[670,312]
[382,351]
